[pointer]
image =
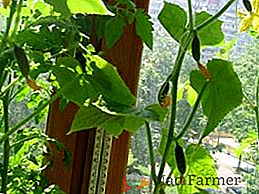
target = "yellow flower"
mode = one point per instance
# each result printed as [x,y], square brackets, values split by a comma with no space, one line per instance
[250,19]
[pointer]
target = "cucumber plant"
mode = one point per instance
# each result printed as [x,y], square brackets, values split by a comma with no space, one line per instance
[52,39]
[47,46]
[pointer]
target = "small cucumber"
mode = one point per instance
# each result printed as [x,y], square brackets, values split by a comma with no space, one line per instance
[248,5]
[22,60]
[196,46]
[163,92]
[180,159]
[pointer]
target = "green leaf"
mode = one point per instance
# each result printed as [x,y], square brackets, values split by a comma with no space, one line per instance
[144,28]
[223,93]
[22,61]
[114,29]
[92,117]
[246,143]
[106,81]
[200,164]
[88,7]
[68,62]
[174,20]
[191,95]
[154,112]
[211,34]
[33,39]
[60,6]
[72,87]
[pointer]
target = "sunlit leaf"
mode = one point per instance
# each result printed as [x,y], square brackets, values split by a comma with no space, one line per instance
[88,7]
[200,164]
[191,95]
[106,81]
[60,6]
[71,86]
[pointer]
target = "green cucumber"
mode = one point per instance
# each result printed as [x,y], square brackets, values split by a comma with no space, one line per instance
[196,47]
[22,61]
[180,159]
[248,5]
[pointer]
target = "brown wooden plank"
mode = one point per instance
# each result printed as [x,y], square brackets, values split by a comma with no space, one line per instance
[126,56]
[58,124]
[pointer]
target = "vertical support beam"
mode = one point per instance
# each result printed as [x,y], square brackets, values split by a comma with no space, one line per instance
[69,180]
[126,56]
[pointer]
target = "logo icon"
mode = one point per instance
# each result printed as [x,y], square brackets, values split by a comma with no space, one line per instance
[137,182]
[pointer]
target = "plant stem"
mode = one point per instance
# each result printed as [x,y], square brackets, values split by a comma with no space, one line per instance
[151,152]
[190,14]
[215,17]
[251,104]
[6,144]
[174,78]
[8,26]
[28,118]
[190,118]
[17,19]
[9,86]
[24,140]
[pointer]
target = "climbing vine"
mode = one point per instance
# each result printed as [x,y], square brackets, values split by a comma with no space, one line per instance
[57,44]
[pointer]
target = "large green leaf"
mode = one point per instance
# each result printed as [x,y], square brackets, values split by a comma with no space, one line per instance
[174,20]
[106,81]
[88,7]
[94,115]
[200,165]
[211,34]
[91,117]
[71,86]
[60,6]
[114,29]
[144,28]
[223,92]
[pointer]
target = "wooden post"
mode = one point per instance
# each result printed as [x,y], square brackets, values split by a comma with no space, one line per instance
[126,56]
